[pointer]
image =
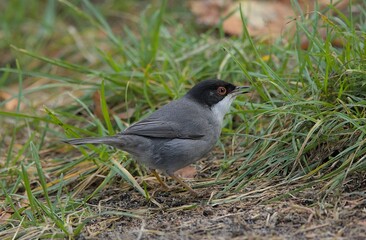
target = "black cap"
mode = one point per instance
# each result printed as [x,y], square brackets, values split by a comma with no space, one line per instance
[209,92]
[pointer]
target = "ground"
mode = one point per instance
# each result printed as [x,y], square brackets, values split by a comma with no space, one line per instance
[253,213]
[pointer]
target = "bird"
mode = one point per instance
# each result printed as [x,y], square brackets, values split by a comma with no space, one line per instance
[177,134]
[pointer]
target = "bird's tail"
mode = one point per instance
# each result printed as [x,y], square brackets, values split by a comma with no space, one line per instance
[112,140]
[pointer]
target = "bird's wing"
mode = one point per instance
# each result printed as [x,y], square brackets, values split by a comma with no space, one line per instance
[160,129]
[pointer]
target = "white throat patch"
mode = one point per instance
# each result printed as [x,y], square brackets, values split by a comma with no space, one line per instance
[221,108]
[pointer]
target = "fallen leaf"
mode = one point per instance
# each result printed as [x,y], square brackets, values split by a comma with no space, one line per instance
[187,172]
[128,114]
[4,216]
[97,105]
[209,12]
[266,20]
[362,223]
[12,104]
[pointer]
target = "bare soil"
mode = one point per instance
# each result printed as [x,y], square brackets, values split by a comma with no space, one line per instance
[254,216]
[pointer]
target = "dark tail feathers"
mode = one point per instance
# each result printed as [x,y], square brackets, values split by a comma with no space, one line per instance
[113,140]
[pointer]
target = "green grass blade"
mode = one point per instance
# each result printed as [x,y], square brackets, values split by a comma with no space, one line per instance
[105,109]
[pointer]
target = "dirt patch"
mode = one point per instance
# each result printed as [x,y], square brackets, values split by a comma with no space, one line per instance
[180,216]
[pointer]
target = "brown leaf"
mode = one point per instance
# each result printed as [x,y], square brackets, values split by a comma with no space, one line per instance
[362,223]
[12,104]
[4,216]
[265,19]
[208,12]
[97,105]
[187,172]
[126,115]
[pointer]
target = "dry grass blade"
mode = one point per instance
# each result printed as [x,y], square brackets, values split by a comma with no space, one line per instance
[128,177]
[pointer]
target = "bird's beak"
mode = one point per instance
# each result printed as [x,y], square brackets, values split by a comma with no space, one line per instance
[240,90]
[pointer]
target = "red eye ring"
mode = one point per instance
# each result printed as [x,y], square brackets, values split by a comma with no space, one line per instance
[221,91]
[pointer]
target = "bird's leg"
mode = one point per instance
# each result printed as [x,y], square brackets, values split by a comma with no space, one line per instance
[181,182]
[157,176]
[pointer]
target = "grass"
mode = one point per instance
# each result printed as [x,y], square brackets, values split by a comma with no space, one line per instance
[73,72]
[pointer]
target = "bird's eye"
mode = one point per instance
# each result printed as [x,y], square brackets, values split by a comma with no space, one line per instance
[221,91]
